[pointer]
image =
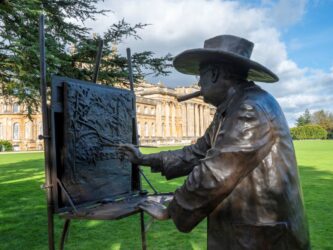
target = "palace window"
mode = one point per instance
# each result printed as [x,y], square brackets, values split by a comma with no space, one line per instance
[152,111]
[153,129]
[146,130]
[16,108]
[16,131]
[139,128]
[145,110]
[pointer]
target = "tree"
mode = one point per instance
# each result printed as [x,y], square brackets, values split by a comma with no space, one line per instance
[304,119]
[70,48]
[323,119]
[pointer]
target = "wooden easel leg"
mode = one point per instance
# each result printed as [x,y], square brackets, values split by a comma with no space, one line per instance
[64,234]
[143,233]
[50,228]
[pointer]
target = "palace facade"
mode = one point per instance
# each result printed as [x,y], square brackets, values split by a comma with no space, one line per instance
[161,119]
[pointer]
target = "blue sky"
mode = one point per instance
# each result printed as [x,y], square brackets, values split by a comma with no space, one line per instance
[292,37]
[309,42]
[309,39]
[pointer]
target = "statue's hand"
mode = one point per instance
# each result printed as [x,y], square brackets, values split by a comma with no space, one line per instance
[157,210]
[130,152]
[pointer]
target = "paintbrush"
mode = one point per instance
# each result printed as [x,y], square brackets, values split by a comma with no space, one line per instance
[119,145]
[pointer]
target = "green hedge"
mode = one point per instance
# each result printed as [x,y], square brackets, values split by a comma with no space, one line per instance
[330,134]
[308,132]
[5,146]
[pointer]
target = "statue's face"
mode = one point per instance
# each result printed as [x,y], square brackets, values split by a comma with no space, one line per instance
[213,88]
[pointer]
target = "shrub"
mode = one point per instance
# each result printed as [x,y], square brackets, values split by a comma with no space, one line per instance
[5,146]
[330,134]
[308,132]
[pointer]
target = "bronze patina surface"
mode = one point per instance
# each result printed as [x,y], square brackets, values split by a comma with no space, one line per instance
[94,116]
[242,173]
[85,119]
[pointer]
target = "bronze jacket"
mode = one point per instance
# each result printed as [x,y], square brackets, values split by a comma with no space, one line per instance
[242,175]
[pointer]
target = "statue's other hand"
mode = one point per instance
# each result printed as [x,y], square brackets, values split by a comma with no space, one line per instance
[130,152]
[157,210]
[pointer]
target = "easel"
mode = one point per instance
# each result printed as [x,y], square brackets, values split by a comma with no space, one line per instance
[59,200]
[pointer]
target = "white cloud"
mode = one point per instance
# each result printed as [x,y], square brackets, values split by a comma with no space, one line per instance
[177,25]
[288,12]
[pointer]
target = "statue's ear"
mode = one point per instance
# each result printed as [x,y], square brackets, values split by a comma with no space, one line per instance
[215,74]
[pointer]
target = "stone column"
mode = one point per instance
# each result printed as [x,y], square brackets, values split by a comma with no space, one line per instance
[207,117]
[33,130]
[184,120]
[190,119]
[197,121]
[2,132]
[211,117]
[9,129]
[158,119]
[6,129]
[194,120]
[173,120]
[167,119]
[179,124]
[202,120]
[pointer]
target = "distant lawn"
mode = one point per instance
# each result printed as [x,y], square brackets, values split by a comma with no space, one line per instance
[315,161]
[23,223]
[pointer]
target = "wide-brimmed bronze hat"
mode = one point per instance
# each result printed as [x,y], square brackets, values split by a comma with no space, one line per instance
[225,49]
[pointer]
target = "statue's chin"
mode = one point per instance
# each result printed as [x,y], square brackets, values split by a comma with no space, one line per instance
[207,100]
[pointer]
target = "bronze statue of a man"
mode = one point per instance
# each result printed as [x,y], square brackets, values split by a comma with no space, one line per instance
[242,173]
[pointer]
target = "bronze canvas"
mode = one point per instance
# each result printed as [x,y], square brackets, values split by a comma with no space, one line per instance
[86,117]
[242,173]
[95,116]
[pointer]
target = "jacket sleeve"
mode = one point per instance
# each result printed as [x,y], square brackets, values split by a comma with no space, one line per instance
[242,142]
[177,163]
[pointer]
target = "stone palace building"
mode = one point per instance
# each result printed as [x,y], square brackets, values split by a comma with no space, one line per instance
[161,119]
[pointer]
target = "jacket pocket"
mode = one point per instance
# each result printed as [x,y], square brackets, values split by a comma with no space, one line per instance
[270,236]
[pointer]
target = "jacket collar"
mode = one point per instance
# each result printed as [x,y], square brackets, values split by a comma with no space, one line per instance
[234,94]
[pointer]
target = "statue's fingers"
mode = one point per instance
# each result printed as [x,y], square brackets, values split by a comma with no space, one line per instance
[125,145]
[124,153]
[124,150]
[120,155]
[121,151]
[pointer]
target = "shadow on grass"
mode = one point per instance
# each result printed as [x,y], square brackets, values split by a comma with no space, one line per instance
[24,222]
[317,191]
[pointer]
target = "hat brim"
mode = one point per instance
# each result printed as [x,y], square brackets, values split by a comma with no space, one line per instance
[189,61]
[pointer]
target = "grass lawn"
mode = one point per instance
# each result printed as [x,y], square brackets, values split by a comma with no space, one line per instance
[23,223]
